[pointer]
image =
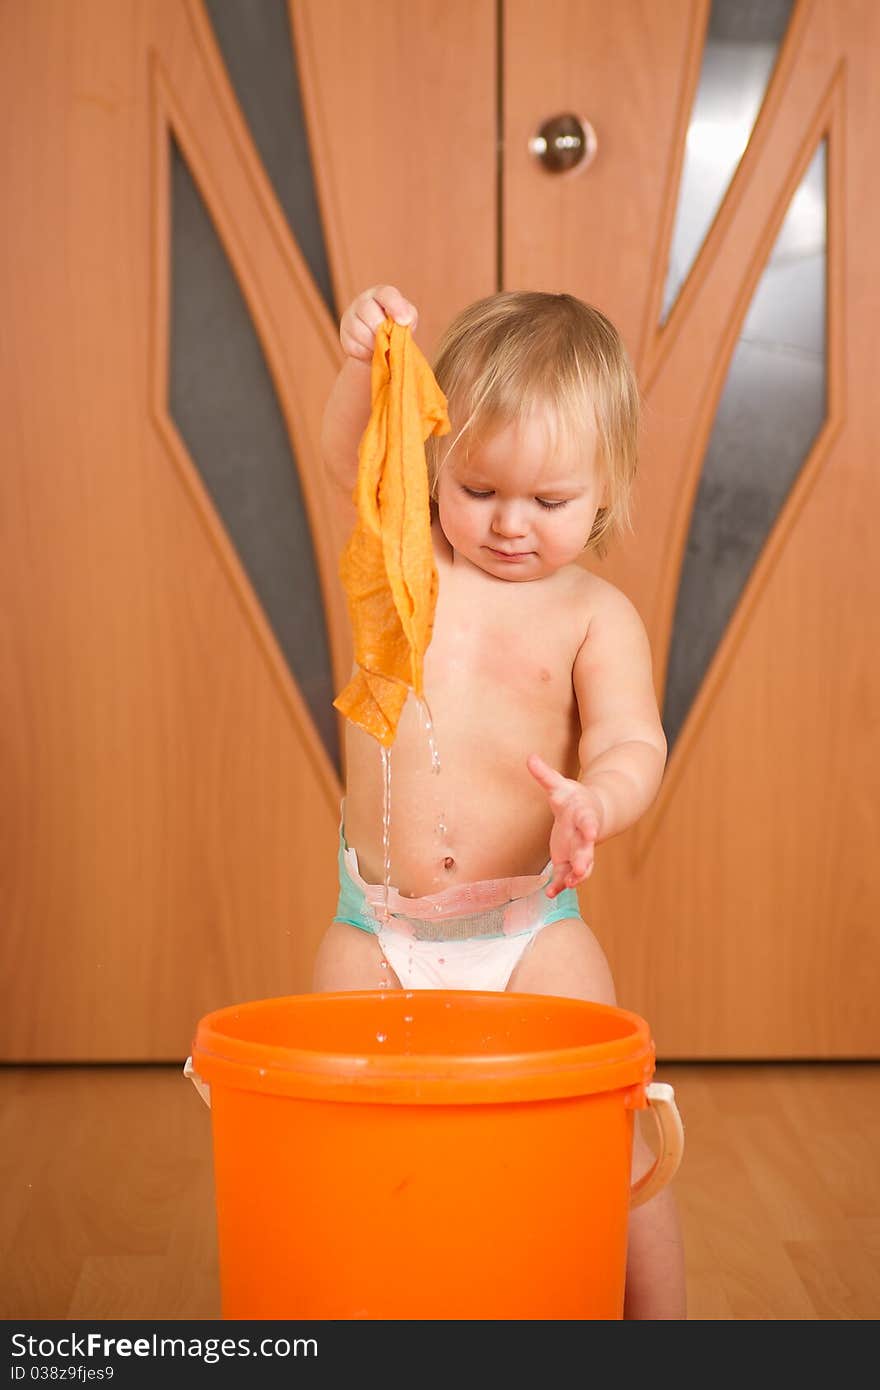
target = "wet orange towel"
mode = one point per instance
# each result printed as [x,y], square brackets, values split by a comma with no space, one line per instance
[388,565]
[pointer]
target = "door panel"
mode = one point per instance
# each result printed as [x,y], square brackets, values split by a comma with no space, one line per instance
[733,913]
[172,813]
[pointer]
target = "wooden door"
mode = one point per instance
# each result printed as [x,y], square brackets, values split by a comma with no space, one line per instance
[171,810]
[171,806]
[741,915]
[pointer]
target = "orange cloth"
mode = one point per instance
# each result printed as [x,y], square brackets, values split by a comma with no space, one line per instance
[388,567]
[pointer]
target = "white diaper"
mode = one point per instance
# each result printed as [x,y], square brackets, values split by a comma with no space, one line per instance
[482,963]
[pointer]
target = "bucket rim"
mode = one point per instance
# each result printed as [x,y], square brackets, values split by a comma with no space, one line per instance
[398,1077]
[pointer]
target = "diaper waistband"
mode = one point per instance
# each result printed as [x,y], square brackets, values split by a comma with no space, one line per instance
[486,907]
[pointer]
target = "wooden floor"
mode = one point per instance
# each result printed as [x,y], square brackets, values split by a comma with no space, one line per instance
[106,1197]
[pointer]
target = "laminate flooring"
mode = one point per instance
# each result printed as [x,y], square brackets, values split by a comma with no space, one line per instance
[107,1203]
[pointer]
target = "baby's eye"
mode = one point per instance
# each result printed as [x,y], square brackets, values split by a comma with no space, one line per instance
[551,506]
[471,492]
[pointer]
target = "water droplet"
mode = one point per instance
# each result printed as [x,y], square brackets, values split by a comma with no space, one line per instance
[381,1037]
[386,827]
[262,1071]
[407,1018]
[429,726]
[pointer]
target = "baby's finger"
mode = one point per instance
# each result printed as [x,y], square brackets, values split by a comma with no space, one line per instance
[369,318]
[557,883]
[582,862]
[394,305]
[580,870]
[357,340]
[549,778]
[587,825]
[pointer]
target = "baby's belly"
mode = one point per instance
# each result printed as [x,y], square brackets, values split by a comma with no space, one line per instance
[482,816]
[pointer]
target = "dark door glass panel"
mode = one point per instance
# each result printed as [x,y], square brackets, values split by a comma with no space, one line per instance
[742,44]
[257,45]
[773,405]
[223,402]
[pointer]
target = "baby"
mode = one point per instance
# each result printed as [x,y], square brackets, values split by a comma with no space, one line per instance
[538,680]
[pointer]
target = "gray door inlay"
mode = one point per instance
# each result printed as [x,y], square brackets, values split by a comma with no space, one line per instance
[257,46]
[223,402]
[742,45]
[772,408]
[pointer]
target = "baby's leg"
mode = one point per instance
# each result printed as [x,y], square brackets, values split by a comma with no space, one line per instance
[349,958]
[566,959]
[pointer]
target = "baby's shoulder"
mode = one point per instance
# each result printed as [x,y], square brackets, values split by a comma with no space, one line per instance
[596,597]
[603,609]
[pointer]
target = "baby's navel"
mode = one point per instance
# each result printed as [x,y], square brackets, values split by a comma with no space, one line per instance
[449,863]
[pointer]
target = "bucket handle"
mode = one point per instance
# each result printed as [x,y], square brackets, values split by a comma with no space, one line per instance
[661,1102]
[201,1086]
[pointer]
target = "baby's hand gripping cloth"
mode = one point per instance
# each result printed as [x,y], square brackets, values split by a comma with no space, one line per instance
[388,567]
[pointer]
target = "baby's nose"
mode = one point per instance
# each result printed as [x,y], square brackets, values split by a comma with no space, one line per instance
[510,520]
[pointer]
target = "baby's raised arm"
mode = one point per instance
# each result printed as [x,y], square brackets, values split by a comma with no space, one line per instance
[348,405]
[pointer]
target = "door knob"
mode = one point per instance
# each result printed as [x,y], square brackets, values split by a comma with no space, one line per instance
[564,142]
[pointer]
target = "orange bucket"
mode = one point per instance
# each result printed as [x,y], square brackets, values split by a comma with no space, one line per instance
[434,1154]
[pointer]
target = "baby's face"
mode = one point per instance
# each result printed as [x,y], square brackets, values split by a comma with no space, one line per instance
[516,508]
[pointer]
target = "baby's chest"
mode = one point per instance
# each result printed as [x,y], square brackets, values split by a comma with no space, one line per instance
[483,662]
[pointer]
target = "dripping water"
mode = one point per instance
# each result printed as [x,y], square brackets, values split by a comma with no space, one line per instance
[429,726]
[386,828]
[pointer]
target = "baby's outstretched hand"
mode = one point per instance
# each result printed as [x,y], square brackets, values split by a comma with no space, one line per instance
[577,825]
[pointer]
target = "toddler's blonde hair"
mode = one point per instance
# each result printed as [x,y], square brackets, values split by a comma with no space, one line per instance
[524,350]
